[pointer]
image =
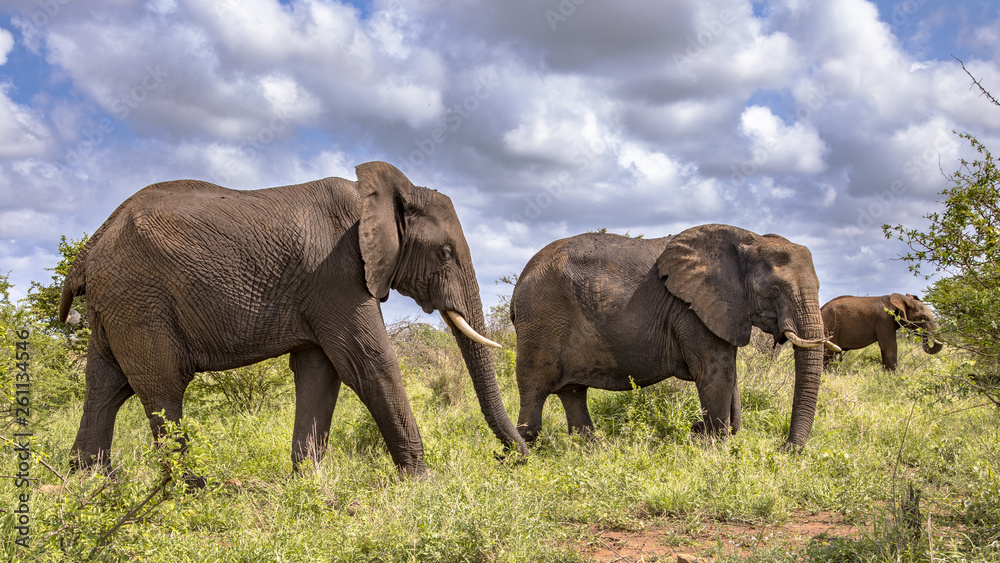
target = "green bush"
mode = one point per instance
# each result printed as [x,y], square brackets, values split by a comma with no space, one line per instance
[250,389]
[430,355]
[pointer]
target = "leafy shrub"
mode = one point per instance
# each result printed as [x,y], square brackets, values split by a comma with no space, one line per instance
[665,410]
[431,355]
[56,372]
[43,302]
[962,243]
[249,389]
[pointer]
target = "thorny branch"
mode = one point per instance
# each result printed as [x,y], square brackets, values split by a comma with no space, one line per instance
[128,517]
[977,83]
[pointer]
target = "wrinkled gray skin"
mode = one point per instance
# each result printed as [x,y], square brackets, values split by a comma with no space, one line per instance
[187,276]
[857,322]
[595,310]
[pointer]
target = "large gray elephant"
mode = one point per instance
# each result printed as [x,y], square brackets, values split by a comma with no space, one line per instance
[187,276]
[855,322]
[602,310]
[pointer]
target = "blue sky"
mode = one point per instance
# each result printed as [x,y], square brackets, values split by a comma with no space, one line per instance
[815,120]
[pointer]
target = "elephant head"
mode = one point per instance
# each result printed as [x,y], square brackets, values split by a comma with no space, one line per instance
[912,313]
[411,241]
[734,279]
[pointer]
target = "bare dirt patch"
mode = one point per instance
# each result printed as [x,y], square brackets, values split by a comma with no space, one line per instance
[711,540]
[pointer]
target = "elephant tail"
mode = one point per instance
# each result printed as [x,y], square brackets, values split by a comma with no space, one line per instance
[75,284]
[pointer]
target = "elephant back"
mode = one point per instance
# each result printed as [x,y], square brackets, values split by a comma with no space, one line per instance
[593,273]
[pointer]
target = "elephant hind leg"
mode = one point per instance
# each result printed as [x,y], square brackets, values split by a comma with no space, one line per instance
[317,387]
[577,415]
[160,382]
[107,390]
[162,396]
[529,418]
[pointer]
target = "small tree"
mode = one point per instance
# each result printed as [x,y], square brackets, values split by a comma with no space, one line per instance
[55,375]
[962,243]
[43,300]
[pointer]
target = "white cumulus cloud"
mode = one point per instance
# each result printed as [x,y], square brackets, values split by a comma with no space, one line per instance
[6,44]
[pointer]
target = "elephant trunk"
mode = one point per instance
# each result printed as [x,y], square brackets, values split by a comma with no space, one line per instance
[932,345]
[808,366]
[479,361]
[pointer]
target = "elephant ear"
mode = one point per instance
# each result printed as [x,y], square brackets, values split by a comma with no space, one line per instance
[898,301]
[702,266]
[385,193]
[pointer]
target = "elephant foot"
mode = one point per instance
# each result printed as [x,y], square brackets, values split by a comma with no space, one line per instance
[100,465]
[701,435]
[792,448]
[416,472]
[700,430]
[529,436]
[194,482]
[698,427]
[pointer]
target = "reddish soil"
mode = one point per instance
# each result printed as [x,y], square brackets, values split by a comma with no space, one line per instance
[711,540]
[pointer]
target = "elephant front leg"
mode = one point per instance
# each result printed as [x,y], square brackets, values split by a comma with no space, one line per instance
[382,391]
[317,387]
[714,374]
[364,359]
[736,411]
[887,345]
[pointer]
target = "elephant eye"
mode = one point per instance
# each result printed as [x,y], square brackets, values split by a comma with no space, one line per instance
[445,253]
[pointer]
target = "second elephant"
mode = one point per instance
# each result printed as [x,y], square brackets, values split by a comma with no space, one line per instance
[856,322]
[606,311]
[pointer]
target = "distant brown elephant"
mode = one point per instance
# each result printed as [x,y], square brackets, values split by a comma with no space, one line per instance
[606,311]
[187,276]
[856,322]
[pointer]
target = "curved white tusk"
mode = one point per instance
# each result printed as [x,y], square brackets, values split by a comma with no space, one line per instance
[801,343]
[794,339]
[469,331]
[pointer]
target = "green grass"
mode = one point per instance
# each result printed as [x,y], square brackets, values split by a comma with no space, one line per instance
[875,435]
